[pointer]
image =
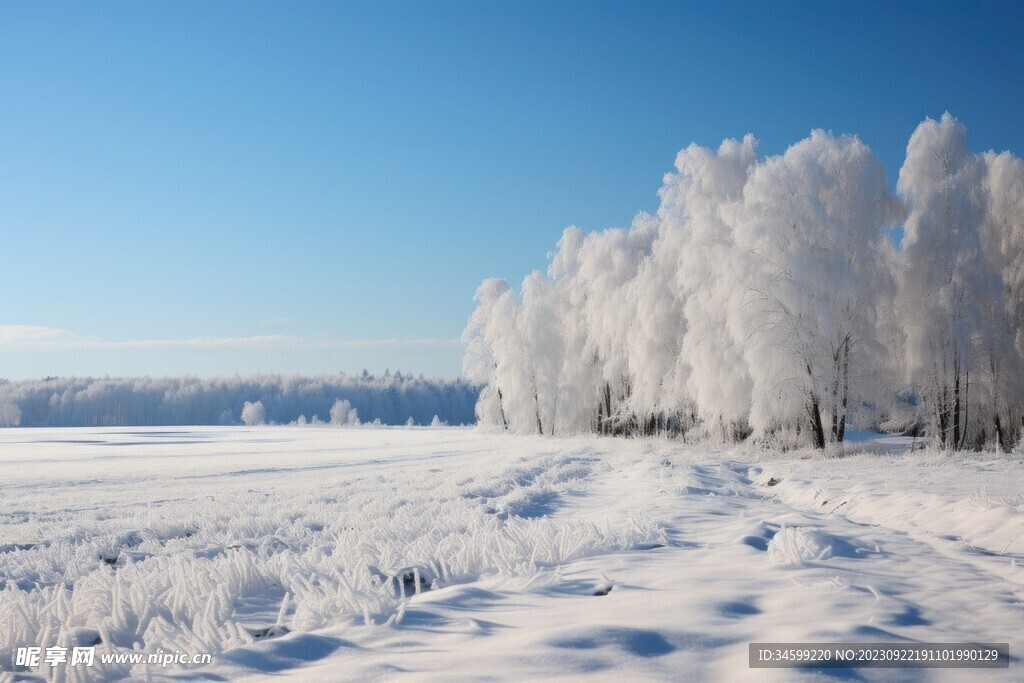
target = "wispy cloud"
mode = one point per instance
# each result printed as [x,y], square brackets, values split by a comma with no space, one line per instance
[37,338]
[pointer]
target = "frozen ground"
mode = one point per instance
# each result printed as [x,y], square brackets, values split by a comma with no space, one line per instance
[295,553]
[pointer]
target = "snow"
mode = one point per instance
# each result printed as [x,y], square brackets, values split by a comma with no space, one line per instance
[446,553]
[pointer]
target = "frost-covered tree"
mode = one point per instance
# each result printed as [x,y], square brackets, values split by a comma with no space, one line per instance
[947,288]
[699,205]
[1003,239]
[544,348]
[813,269]
[479,363]
[515,374]
[580,373]
[766,296]
[10,415]
[604,287]
[343,414]
[253,413]
[658,397]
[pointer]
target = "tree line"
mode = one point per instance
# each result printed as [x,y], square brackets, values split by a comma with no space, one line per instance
[776,299]
[392,398]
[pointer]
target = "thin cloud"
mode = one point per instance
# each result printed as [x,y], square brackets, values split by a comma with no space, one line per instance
[38,338]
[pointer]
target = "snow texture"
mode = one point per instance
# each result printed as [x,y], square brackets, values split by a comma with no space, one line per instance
[433,553]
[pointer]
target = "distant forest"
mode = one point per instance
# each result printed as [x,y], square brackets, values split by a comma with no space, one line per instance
[392,398]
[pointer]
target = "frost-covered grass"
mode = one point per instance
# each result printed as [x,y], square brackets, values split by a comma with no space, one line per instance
[326,554]
[147,539]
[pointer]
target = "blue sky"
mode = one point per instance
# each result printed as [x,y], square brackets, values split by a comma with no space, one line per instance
[220,187]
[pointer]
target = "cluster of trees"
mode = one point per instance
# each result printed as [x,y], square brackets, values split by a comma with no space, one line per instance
[767,298]
[392,398]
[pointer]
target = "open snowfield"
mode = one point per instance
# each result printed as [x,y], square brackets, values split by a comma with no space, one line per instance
[446,554]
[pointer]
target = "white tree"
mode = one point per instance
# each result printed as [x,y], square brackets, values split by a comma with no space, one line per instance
[765,296]
[580,373]
[253,413]
[658,398]
[479,363]
[1002,236]
[814,270]
[10,415]
[514,374]
[541,330]
[946,282]
[699,204]
[604,287]
[343,414]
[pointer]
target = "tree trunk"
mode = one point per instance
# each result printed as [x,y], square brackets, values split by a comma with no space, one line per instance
[835,408]
[941,411]
[956,399]
[814,411]
[607,406]
[845,392]
[966,406]
[1000,437]
[536,402]
[501,409]
[834,399]
[817,428]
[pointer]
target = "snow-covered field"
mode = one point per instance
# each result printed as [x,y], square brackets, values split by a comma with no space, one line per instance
[447,554]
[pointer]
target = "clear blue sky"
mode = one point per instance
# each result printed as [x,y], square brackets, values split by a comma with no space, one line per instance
[213,187]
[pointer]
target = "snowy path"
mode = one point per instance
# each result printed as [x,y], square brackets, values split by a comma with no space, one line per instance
[554,559]
[687,610]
